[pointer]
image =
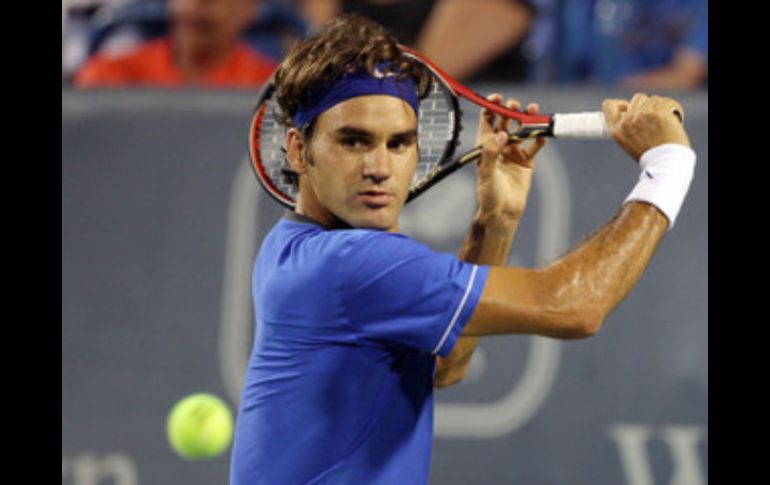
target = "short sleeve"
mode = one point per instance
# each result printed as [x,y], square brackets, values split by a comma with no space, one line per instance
[99,71]
[396,290]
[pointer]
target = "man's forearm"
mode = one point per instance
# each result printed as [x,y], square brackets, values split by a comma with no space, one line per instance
[488,242]
[601,272]
[571,297]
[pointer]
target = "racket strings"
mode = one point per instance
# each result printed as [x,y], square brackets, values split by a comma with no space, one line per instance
[438,128]
[272,151]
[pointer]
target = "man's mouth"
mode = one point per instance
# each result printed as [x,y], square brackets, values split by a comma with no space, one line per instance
[375,198]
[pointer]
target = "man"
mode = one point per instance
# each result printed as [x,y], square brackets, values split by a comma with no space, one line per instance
[204,48]
[471,41]
[351,315]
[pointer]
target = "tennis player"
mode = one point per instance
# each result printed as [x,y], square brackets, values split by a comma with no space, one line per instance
[357,323]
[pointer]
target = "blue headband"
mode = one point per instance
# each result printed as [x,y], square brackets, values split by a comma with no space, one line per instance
[359,83]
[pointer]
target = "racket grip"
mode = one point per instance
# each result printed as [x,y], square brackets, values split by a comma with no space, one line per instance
[580,125]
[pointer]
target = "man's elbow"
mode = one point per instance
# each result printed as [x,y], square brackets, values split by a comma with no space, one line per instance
[449,378]
[589,327]
[584,324]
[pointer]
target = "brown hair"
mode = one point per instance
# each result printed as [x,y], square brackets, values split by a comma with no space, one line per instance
[348,43]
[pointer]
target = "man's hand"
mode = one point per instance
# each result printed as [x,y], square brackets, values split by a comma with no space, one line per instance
[645,122]
[504,170]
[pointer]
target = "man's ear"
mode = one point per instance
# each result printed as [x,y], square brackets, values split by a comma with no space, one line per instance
[295,150]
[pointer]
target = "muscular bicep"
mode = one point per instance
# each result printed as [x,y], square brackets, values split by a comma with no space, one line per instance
[524,301]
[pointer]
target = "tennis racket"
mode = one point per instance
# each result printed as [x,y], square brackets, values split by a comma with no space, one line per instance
[438,128]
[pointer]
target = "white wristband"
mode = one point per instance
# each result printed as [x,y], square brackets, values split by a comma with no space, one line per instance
[667,171]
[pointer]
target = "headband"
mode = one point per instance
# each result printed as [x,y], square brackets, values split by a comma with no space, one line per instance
[358,83]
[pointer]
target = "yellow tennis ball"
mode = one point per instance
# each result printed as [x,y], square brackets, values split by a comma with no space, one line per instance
[200,426]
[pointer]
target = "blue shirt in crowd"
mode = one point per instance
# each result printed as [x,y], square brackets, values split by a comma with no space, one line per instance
[605,40]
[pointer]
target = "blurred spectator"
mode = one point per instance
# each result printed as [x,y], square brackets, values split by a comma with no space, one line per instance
[76,26]
[212,43]
[641,44]
[470,40]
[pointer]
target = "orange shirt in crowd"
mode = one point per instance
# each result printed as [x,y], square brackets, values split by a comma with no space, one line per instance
[151,64]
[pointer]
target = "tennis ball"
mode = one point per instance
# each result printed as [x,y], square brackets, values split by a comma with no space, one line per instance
[200,426]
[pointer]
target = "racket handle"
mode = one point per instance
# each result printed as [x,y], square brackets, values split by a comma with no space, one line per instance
[580,125]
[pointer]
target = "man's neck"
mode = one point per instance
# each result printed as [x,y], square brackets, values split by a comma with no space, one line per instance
[321,216]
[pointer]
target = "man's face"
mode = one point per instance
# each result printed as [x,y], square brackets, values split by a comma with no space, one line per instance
[363,155]
[206,24]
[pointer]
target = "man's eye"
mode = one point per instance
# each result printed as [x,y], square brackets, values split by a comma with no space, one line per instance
[353,142]
[400,144]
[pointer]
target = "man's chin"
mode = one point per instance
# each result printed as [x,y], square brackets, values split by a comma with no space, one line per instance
[378,221]
[374,225]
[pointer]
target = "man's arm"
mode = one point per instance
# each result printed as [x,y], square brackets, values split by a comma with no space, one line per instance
[503,182]
[571,297]
[687,70]
[462,37]
[488,242]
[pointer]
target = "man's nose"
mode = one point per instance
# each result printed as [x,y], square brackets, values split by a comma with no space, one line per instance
[377,164]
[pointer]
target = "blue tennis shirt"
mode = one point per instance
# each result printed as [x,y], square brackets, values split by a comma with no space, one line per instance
[339,387]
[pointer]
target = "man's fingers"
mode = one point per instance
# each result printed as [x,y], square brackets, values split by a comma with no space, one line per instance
[666,106]
[503,121]
[487,117]
[494,143]
[640,102]
[535,147]
[637,101]
[495,132]
[491,148]
[523,153]
[533,108]
[614,110]
[674,107]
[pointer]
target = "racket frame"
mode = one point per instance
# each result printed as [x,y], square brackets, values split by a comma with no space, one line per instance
[254,148]
[530,126]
